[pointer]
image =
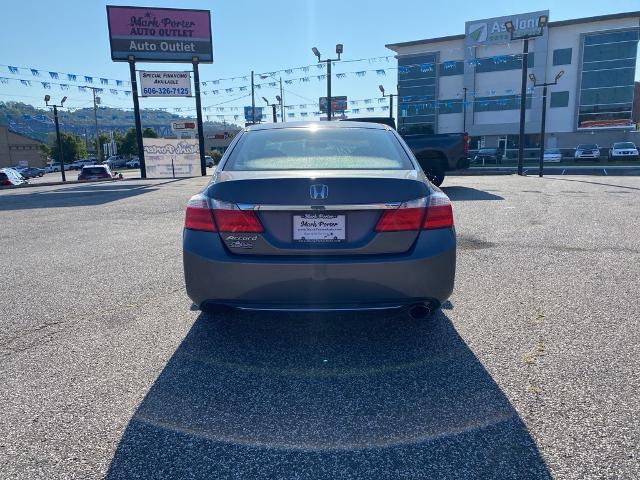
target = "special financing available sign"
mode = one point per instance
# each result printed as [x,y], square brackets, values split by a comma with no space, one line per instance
[165,84]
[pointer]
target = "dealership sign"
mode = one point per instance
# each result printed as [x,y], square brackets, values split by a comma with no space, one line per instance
[492,30]
[257,114]
[159,34]
[171,157]
[165,84]
[338,104]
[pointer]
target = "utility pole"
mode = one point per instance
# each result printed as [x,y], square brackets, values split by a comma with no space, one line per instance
[339,49]
[253,100]
[96,101]
[58,139]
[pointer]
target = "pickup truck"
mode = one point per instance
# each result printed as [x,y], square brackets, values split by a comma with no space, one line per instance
[439,153]
[436,153]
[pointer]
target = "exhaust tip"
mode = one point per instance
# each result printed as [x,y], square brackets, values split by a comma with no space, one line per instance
[419,311]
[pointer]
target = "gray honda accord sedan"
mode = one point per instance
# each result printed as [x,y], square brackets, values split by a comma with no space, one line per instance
[319,216]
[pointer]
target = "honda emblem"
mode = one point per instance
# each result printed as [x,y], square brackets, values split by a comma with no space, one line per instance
[319,191]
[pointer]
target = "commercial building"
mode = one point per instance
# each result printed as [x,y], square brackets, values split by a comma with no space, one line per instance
[472,82]
[16,149]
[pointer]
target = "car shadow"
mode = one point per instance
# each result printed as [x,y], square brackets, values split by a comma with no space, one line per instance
[311,396]
[462,194]
[84,194]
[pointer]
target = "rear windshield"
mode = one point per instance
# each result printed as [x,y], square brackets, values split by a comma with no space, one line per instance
[624,145]
[588,146]
[552,150]
[3,176]
[93,170]
[318,149]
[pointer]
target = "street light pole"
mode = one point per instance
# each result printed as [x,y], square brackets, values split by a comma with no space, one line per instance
[390,95]
[58,139]
[464,111]
[523,104]
[544,115]
[542,22]
[328,61]
[273,109]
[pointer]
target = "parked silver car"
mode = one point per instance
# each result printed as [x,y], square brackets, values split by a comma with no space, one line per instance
[587,151]
[623,151]
[319,216]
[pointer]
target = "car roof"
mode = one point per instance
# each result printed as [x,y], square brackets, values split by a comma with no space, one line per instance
[317,124]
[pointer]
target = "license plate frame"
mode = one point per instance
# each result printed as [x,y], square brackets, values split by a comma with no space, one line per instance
[319,228]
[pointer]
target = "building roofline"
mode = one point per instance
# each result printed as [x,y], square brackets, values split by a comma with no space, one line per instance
[9,130]
[560,23]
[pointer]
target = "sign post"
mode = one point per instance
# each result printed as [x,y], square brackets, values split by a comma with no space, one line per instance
[136,114]
[196,80]
[161,35]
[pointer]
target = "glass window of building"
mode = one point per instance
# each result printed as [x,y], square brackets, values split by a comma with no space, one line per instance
[562,56]
[607,79]
[500,63]
[454,67]
[559,99]
[417,105]
[499,102]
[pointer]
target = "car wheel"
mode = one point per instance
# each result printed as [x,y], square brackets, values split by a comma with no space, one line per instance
[435,176]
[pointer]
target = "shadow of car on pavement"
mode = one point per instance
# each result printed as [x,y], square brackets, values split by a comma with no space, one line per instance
[458,193]
[311,396]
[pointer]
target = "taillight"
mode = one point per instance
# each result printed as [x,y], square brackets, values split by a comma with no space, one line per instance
[466,143]
[211,215]
[439,212]
[199,215]
[6,183]
[229,218]
[407,216]
[425,213]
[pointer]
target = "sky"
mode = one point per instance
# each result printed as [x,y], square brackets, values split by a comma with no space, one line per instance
[71,36]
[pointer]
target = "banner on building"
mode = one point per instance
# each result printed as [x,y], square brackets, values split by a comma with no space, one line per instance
[165,157]
[159,34]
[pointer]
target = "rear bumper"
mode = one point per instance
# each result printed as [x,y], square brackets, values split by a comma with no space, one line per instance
[425,273]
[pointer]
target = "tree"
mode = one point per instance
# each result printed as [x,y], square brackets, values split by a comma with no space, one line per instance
[73,148]
[149,133]
[129,143]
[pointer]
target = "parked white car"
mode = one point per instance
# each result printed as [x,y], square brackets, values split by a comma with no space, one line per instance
[552,155]
[623,150]
[52,167]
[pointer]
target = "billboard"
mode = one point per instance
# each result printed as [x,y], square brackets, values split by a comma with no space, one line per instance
[159,34]
[492,30]
[338,104]
[165,84]
[166,157]
[247,114]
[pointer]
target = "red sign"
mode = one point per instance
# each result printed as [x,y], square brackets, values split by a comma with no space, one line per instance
[159,34]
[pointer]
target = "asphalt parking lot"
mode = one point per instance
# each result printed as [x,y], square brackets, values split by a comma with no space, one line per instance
[530,371]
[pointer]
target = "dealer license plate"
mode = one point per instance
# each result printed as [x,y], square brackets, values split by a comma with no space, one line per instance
[319,227]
